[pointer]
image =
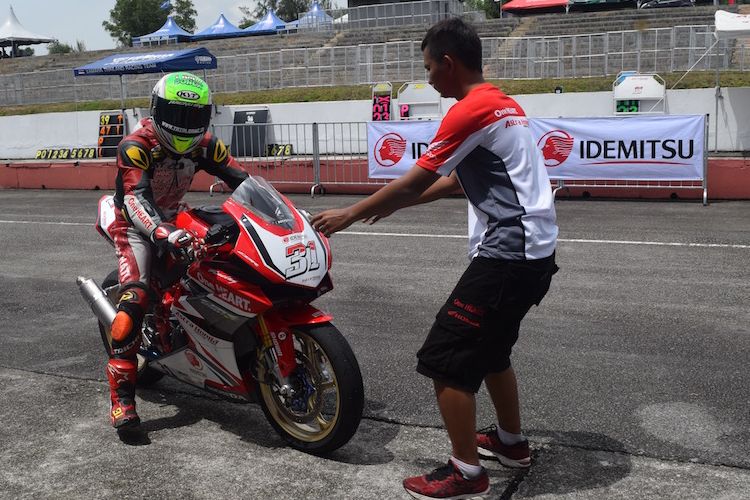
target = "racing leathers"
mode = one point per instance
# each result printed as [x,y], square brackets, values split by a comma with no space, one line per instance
[151,182]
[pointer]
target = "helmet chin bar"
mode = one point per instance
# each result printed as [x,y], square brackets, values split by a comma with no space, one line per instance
[166,141]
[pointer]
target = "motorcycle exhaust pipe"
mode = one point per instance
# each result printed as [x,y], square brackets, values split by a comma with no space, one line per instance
[97,300]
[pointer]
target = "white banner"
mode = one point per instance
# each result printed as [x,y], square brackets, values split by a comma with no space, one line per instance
[642,148]
[393,147]
[645,148]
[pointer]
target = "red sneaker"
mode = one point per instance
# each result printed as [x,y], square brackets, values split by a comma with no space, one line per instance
[489,445]
[447,482]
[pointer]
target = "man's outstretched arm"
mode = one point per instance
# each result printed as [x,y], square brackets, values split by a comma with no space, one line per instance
[400,193]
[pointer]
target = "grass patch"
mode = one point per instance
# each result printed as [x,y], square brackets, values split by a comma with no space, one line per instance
[701,79]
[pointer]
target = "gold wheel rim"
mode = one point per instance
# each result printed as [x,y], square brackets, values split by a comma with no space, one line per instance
[318,425]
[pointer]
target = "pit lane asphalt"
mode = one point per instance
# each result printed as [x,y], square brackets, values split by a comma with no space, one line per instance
[634,370]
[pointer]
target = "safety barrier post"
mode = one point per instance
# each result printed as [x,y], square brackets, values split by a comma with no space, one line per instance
[705,161]
[316,161]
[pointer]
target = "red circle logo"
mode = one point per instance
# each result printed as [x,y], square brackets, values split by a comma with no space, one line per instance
[193,359]
[556,146]
[389,149]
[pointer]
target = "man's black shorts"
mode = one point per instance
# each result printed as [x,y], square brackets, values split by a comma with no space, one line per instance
[475,330]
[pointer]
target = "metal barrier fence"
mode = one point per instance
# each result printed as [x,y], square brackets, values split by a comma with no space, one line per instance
[316,155]
[309,154]
[660,50]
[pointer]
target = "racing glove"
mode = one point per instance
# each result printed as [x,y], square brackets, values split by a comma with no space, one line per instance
[178,241]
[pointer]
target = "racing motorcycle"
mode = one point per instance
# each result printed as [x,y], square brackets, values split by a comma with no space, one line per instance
[236,320]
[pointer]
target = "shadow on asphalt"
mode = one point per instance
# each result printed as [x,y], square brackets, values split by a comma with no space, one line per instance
[247,421]
[567,462]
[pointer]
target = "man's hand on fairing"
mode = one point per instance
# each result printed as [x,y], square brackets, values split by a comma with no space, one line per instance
[402,192]
[333,220]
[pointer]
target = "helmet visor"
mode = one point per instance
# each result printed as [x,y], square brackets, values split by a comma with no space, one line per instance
[182,119]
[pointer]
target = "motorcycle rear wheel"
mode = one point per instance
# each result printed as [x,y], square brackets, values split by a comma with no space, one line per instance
[146,376]
[327,407]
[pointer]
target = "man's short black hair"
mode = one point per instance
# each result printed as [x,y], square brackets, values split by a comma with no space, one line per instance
[457,39]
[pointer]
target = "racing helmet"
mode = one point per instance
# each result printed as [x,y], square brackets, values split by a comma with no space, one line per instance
[181,111]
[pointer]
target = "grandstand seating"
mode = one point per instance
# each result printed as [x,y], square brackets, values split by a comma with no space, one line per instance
[575,23]
[338,65]
[542,25]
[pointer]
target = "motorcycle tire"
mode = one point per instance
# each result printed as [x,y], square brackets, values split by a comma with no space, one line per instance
[146,376]
[328,410]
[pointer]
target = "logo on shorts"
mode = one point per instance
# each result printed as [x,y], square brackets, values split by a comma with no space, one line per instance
[389,149]
[556,146]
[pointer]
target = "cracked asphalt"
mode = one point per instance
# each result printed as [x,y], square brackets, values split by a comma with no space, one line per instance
[633,371]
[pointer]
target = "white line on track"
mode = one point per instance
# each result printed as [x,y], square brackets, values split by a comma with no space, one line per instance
[563,240]
[462,237]
[56,223]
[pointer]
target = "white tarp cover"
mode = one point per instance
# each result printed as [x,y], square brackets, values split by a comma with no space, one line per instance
[729,25]
[11,32]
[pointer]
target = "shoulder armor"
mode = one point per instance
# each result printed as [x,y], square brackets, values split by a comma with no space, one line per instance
[216,152]
[134,154]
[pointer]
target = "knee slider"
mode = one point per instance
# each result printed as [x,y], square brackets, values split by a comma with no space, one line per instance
[133,301]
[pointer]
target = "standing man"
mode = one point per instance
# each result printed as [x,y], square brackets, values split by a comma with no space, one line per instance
[484,146]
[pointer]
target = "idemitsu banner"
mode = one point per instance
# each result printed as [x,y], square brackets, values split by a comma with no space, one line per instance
[393,147]
[632,148]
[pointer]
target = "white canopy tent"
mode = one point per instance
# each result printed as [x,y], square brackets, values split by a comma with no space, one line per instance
[12,34]
[728,26]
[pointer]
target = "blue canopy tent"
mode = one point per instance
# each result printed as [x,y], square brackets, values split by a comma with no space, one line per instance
[170,32]
[315,19]
[151,62]
[222,28]
[269,25]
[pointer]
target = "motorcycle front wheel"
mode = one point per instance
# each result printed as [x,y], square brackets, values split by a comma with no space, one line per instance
[146,376]
[320,408]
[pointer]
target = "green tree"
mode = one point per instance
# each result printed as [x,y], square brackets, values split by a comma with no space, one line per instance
[490,8]
[130,18]
[248,18]
[59,48]
[183,12]
[22,52]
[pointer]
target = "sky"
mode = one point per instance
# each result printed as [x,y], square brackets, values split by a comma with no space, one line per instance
[71,20]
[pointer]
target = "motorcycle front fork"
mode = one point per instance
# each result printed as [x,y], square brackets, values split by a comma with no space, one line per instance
[271,360]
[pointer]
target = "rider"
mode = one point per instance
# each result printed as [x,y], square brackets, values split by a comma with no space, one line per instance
[156,165]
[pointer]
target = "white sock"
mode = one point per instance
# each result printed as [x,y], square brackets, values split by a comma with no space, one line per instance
[469,471]
[507,438]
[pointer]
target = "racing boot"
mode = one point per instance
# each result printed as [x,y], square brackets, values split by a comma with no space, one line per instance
[121,374]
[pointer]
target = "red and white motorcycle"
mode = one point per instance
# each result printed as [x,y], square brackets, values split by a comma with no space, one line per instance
[238,322]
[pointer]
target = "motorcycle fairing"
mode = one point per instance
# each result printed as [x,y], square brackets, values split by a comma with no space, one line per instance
[238,296]
[299,258]
[207,359]
[275,238]
[105,218]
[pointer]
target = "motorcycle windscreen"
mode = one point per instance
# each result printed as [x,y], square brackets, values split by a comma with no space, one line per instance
[289,248]
[258,196]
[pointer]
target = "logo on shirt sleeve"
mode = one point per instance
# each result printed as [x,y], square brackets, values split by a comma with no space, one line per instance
[556,146]
[389,149]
